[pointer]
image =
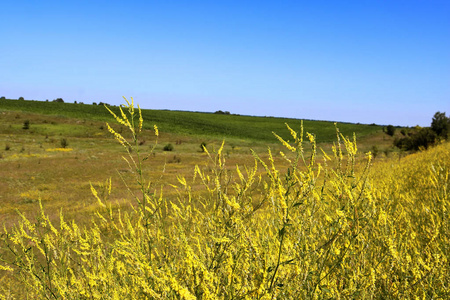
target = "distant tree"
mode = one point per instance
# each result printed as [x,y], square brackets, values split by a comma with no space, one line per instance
[440,124]
[21,98]
[424,138]
[59,100]
[94,103]
[75,102]
[390,130]
[3,98]
[220,112]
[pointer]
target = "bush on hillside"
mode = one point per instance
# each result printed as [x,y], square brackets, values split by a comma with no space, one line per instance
[423,138]
[420,138]
[26,124]
[203,146]
[390,130]
[64,143]
[168,147]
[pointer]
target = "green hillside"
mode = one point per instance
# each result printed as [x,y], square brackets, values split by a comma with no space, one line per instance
[197,123]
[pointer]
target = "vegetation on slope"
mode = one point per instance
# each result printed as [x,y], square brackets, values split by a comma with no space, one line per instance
[319,229]
[196,123]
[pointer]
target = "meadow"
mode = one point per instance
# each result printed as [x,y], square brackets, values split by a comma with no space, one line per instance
[113,216]
[35,167]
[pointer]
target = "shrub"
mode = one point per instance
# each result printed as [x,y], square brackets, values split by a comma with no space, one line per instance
[21,98]
[403,131]
[387,151]
[175,159]
[390,130]
[26,124]
[375,151]
[7,147]
[203,146]
[420,138]
[64,143]
[59,100]
[3,98]
[168,147]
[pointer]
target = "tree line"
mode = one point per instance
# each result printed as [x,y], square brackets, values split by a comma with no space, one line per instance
[422,137]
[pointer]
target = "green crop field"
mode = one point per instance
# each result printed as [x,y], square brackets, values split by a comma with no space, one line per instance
[198,123]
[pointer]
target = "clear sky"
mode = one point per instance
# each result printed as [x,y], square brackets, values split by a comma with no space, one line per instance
[384,62]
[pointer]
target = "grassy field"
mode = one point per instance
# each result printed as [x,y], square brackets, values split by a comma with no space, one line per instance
[34,167]
[53,152]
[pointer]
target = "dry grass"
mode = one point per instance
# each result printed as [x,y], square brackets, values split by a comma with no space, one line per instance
[35,167]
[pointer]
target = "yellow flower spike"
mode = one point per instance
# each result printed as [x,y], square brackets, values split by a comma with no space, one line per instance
[156,130]
[310,137]
[5,268]
[286,144]
[219,155]
[369,156]
[325,155]
[285,157]
[126,100]
[125,120]
[94,192]
[132,105]
[118,137]
[109,186]
[124,116]
[182,180]
[141,120]
[355,146]
[241,177]
[118,119]
[293,132]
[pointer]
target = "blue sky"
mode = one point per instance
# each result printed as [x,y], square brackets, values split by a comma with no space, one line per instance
[384,62]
